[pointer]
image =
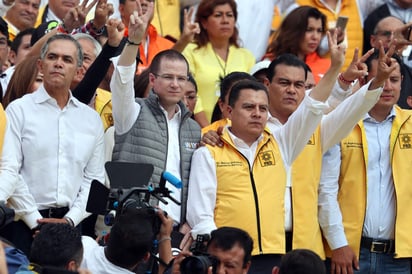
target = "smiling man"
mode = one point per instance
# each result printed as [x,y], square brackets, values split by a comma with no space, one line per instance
[21,16]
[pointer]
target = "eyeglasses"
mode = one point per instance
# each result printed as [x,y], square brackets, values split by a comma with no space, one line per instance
[191,97]
[385,33]
[181,80]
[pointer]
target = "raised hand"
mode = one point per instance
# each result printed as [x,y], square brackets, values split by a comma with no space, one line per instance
[337,51]
[190,28]
[357,69]
[115,30]
[102,13]
[76,16]
[138,22]
[386,65]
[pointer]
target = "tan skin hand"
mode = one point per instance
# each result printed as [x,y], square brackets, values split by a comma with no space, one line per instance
[212,138]
[76,17]
[102,13]
[337,51]
[343,261]
[385,65]
[115,30]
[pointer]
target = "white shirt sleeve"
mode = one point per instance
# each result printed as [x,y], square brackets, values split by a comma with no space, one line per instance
[8,166]
[293,136]
[329,214]
[339,122]
[201,199]
[125,109]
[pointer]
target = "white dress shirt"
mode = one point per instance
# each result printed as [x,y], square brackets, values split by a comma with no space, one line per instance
[125,112]
[203,183]
[57,153]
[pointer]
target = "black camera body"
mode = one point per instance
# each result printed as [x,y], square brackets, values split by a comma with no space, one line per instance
[200,262]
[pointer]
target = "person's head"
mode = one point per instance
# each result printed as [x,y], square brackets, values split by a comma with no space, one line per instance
[126,8]
[300,261]
[91,48]
[259,70]
[61,7]
[384,31]
[23,13]
[61,58]
[217,21]
[57,245]
[190,97]
[4,38]
[141,84]
[130,240]
[168,76]
[233,248]
[20,46]
[248,110]
[300,32]
[225,86]
[287,76]
[392,86]
[26,79]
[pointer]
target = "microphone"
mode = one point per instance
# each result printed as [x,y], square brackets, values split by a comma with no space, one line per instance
[171,179]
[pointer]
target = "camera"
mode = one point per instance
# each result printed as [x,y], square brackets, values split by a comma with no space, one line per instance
[200,262]
[6,215]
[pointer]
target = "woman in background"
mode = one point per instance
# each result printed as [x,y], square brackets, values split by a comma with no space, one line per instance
[300,34]
[215,52]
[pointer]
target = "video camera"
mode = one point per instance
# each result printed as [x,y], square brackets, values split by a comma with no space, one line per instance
[6,214]
[200,262]
[125,194]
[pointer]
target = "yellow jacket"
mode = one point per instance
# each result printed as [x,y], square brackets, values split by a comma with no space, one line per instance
[252,200]
[103,106]
[306,171]
[353,182]
[354,31]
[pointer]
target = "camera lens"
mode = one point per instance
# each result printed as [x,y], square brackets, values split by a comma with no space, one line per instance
[195,265]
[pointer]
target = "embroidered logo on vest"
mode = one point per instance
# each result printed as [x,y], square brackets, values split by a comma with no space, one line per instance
[266,158]
[405,141]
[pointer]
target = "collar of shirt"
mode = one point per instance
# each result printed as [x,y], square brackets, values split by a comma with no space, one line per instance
[370,119]
[177,115]
[239,143]
[41,96]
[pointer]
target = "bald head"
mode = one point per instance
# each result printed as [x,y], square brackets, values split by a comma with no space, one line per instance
[384,31]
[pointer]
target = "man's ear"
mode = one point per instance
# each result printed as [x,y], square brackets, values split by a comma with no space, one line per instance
[12,57]
[229,111]
[72,266]
[266,82]
[40,65]
[246,268]
[275,270]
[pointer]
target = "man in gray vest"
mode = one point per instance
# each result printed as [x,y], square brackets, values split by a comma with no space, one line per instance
[158,129]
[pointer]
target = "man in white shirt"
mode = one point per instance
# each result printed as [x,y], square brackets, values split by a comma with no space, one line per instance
[56,144]
[365,214]
[158,129]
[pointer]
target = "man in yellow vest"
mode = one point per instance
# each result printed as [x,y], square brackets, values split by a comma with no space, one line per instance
[242,183]
[372,192]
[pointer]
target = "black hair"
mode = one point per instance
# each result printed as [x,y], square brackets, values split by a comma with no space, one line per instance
[14,46]
[168,54]
[301,261]
[229,80]
[226,238]
[244,84]
[56,245]
[130,239]
[4,28]
[288,60]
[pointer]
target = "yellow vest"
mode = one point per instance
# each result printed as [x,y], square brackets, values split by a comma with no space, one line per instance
[103,106]
[306,170]
[353,182]
[216,125]
[354,31]
[166,18]
[252,201]
[3,126]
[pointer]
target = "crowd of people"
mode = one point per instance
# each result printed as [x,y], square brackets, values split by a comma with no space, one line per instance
[267,127]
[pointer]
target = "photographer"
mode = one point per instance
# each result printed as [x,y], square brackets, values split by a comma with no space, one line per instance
[129,244]
[229,251]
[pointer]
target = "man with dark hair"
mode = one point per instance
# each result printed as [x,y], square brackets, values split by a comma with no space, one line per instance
[58,149]
[4,50]
[56,245]
[130,244]
[300,261]
[233,249]
[158,129]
